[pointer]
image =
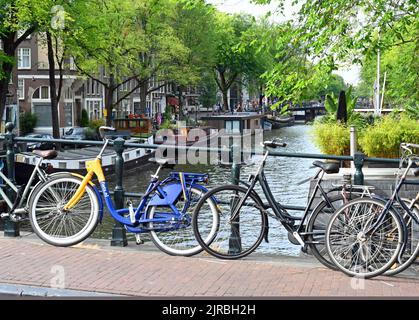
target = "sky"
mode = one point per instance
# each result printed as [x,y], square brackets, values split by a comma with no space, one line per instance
[350,75]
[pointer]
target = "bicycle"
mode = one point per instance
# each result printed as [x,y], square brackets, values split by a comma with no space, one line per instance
[18,208]
[242,215]
[164,211]
[367,237]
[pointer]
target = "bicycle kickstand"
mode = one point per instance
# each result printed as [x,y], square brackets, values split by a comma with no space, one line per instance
[138,239]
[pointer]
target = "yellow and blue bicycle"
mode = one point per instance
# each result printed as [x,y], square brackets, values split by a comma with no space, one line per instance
[66,210]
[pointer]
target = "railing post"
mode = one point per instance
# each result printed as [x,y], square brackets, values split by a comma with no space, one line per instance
[11,229]
[353,144]
[359,163]
[235,239]
[119,233]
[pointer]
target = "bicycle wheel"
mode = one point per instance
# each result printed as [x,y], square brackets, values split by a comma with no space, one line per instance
[316,229]
[177,237]
[233,239]
[411,251]
[355,253]
[55,225]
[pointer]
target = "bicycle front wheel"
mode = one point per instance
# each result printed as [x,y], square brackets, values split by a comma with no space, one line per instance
[177,237]
[357,253]
[55,225]
[234,238]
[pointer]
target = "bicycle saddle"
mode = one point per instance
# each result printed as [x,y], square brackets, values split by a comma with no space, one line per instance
[47,154]
[328,167]
[163,162]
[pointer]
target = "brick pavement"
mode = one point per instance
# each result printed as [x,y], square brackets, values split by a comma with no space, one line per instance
[137,272]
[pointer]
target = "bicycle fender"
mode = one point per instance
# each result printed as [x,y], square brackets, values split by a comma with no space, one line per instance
[172,193]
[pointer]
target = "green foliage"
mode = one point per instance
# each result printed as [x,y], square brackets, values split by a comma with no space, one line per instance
[84,122]
[167,124]
[332,138]
[27,123]
[412,112]
[384,137]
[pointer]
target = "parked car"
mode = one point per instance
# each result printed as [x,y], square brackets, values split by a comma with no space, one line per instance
[45,145]
[75,134]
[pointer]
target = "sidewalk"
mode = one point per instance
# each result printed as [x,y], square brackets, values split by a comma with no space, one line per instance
[94,267]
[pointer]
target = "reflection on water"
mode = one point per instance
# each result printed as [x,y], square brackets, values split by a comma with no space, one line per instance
[283,175]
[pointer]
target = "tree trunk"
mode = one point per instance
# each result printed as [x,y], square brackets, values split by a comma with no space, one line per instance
[7,68]
[224,89]
[109,91]
[143,97]
[53,89]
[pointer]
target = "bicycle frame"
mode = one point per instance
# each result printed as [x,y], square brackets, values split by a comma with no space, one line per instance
[19,201]
[163,195]
[280,212]
[395,197]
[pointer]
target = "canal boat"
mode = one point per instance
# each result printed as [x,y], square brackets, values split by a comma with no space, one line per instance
[74,160]
[280,122]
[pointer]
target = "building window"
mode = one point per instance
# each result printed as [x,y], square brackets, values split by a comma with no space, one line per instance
[94,109]
[24,58]
[68,114]
[43,114]
[41,93]
[72,64]
[21,89]
[233,126]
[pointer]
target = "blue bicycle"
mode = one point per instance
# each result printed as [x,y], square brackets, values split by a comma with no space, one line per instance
[65,210]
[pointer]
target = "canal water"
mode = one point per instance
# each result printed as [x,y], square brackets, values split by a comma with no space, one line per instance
[283,174]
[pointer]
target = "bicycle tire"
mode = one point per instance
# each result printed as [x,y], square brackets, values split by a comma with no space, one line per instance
[409,257]
[57,238]
[317,223]
[361,249]
[180,239]
[231,240]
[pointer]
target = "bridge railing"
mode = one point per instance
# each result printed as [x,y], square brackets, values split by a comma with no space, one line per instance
[118,232]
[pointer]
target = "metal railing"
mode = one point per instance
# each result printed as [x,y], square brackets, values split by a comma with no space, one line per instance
[119,238]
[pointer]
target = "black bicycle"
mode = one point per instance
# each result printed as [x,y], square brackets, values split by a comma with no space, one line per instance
[369,237]
[243,216]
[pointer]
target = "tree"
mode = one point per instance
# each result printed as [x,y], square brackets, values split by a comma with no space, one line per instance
[237,57]
[335,32]
[15,16]
[401,65]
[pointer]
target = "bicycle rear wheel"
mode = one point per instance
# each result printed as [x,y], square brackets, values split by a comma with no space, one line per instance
[177,237]
[236,238]
[316,229]
[358,254]
[55,225]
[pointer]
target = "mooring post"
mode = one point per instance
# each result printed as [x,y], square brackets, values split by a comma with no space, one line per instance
[359,163]
[119,233]
[235,239]
[11,229]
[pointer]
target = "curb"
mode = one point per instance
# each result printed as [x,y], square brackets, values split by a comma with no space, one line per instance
[32,291]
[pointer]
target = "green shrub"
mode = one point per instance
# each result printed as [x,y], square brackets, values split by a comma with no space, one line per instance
[84,122]
[332,138]
[27,123]
[384,137]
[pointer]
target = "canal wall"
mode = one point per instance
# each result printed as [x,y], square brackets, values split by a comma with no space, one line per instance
[382,179]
